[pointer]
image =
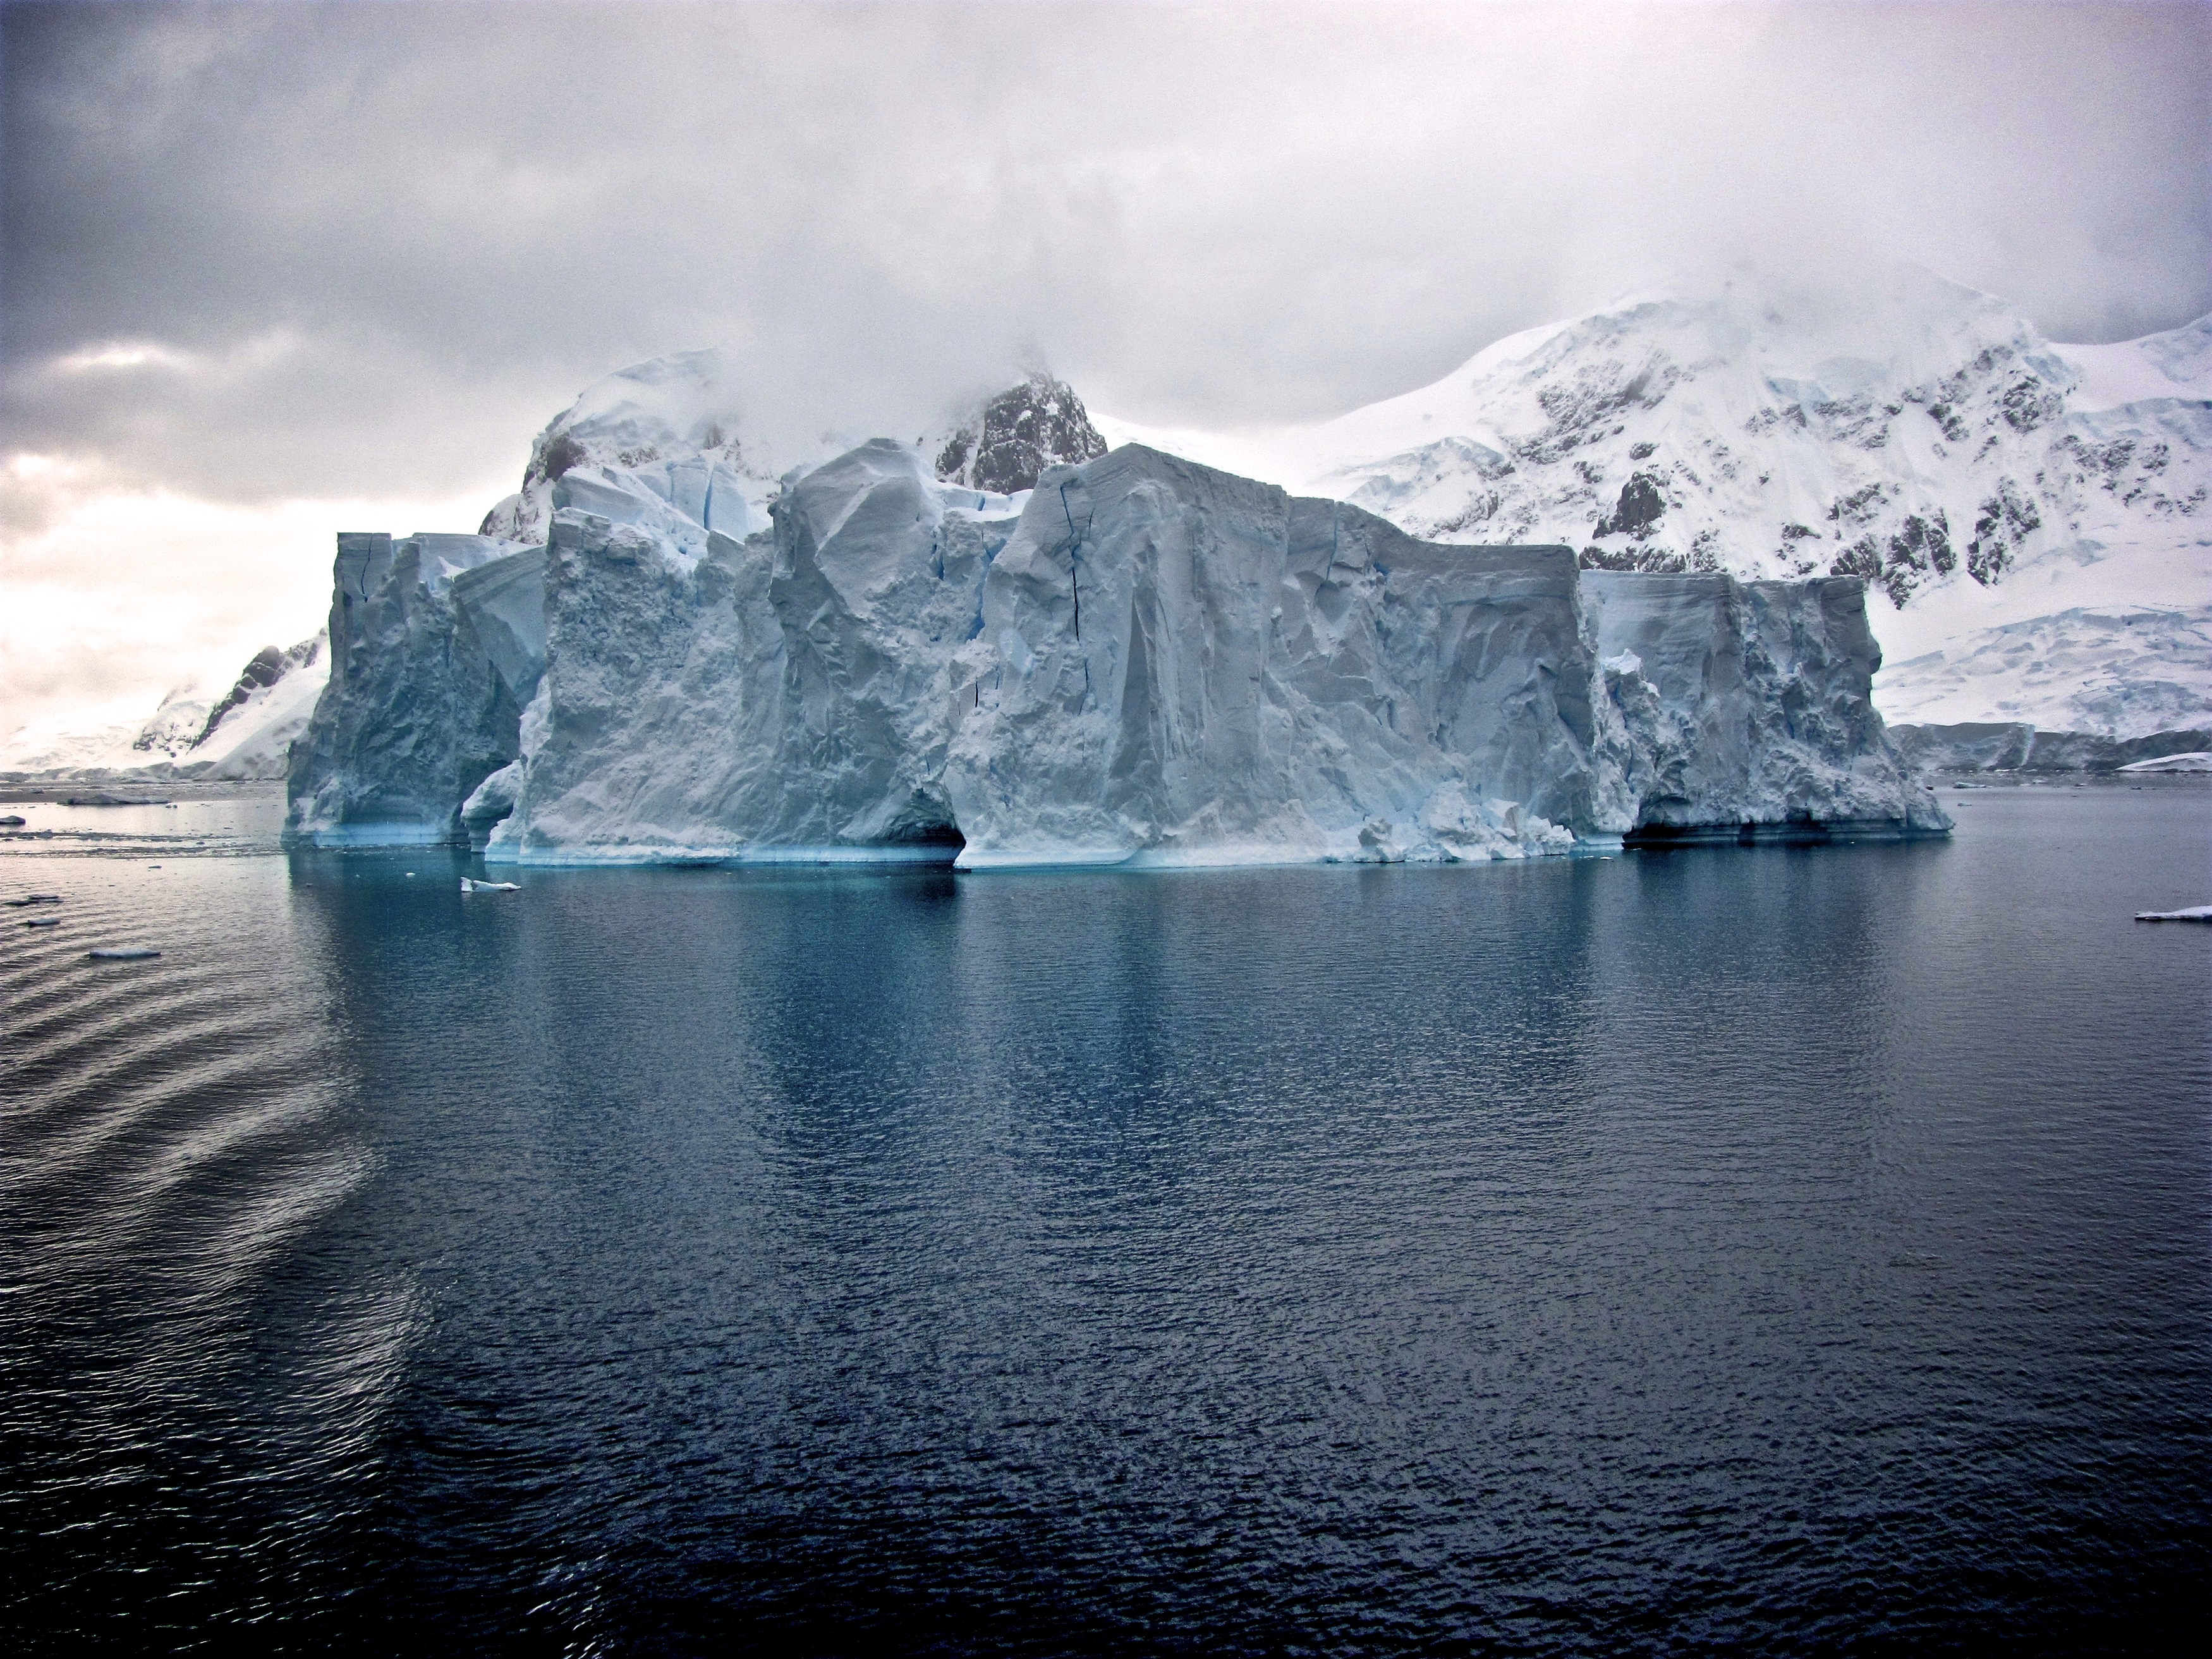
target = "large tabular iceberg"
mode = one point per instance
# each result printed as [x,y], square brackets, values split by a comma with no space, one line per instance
[1128,659]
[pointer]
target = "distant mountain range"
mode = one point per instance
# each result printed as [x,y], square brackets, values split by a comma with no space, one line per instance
[2032,518]
[243,732]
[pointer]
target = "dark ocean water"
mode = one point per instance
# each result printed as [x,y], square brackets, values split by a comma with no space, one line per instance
[1802,1251]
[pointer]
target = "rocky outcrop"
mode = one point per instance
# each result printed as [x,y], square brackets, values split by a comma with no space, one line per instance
[1005,445]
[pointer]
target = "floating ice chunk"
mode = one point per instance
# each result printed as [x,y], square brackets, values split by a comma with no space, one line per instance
[468,886]
[122,953]
[2194,913]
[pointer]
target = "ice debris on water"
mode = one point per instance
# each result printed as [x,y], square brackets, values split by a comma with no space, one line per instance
[470,885]
[122,953]
[2194,913]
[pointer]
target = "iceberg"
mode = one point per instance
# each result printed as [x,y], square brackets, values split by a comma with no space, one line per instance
[2193,760]
[1175,664]
[1116,659]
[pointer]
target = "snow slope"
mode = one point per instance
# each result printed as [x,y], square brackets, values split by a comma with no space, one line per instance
[1919,434]
[245,734]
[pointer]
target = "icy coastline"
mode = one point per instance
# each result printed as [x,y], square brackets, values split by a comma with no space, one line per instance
[1124,659]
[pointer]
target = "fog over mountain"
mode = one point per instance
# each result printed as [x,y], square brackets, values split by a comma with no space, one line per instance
[275,272]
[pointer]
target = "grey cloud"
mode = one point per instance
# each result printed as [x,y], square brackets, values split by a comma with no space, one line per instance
[451,218]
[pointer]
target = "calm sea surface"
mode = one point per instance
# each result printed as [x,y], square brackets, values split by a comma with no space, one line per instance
[1804,1250]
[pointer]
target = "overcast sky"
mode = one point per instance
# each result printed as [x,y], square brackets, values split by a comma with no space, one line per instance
[272,270]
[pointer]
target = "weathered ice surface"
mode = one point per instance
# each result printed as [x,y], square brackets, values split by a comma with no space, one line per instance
[785,696]
[1992,747]
[417,711]
[1747,708]
[1177,664]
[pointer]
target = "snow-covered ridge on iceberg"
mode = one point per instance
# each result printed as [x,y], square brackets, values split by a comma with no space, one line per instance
[1139,660]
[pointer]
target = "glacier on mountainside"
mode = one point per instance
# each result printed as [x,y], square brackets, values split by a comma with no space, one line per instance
[1131,658]
[1916,434]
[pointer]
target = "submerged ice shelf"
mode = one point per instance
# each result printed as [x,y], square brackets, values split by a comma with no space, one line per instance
[1130,659]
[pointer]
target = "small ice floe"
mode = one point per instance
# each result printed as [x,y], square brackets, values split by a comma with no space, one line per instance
[33,898]
[13,820]
[2195,912]
[469,886]
[44,922]
[122,953]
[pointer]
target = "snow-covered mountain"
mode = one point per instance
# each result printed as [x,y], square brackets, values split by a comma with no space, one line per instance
[1992,486]
[244,732]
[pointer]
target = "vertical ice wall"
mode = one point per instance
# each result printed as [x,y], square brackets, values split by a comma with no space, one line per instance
[1178,665]
[431,643]
[786,696]
[1735,703]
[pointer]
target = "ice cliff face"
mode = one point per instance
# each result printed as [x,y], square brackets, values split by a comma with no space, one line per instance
[1724,697]
[1141,660]
[788,695]
[436,647]
[1917,434]
[1177,664]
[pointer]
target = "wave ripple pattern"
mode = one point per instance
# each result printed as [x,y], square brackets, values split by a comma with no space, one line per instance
[1710,1248]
